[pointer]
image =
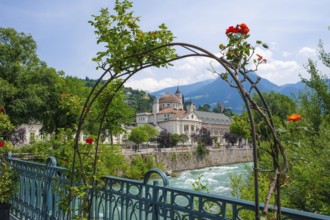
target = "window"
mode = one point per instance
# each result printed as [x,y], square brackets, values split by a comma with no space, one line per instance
[186,128]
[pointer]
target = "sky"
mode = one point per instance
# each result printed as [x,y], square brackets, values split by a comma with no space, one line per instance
[66,41]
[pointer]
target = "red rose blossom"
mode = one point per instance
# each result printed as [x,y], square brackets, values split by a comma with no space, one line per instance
[2,144]
[89,140]
[240,28]
[230,30]
[243,29]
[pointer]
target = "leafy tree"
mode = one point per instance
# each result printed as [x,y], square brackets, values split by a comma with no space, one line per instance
[306,187]
[142,134]
[183,138]
[309,148]
[123,37]
[139,100]
[281,106]
[118,114]
[24,79]
[228,112]
[231,138]
[175,139]
[203,137]
[240,127]
[204,108]
[65,105]
[218,109]
[29,90]
[164,139]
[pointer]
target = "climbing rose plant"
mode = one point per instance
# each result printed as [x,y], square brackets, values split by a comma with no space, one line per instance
[238,51]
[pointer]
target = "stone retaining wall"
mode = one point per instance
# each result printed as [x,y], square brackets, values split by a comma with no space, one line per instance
[189,160]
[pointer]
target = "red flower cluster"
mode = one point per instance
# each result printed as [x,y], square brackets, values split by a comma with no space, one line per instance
[89,140]
[2,144]
[240,28]
[294,117]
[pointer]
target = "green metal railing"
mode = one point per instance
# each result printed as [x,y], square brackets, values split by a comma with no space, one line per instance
[42,185]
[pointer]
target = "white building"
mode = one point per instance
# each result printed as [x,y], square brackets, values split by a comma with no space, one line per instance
[168,114]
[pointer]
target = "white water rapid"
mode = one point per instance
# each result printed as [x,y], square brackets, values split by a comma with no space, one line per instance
[216,178]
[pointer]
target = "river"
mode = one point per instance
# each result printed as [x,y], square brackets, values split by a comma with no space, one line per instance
[216,178]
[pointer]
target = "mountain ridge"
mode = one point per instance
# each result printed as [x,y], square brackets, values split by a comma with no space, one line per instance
[216,91]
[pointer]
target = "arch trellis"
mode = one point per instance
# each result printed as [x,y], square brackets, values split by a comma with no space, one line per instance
[238,79]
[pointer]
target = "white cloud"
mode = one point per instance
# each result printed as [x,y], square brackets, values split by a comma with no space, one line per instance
[281,72]
[185,71]
[307,52]
[151,84]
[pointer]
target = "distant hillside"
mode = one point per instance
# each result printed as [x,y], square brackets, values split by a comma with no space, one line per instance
[218,91]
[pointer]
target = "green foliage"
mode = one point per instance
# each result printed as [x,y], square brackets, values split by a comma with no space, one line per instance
[30,90]
[9,180]
[123,38]
[139,100]
[5,124]
[240,126]
[306,185]
[175,139]
[183,138]
[140,166]
[142,134]
[198,185]
[116,115]
[201,150]
[204,108]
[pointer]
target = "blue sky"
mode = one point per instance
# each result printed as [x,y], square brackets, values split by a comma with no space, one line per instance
[66,41]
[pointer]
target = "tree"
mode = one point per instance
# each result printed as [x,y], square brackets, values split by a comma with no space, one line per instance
[175,139]
[118,114]
[24,79]
[309,148]
[142,134]
[183,138]
[230,138]
[228,112]
[203,137]
[306,187]
[240,127]
[32,92]
[164,139]
[139,100]
[204,108]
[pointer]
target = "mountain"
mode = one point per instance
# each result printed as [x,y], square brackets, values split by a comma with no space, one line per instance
[217,91]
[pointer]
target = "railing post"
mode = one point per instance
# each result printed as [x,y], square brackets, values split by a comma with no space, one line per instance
[155,191]
[48,200]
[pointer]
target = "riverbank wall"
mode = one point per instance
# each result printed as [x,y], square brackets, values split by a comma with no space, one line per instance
[189,160]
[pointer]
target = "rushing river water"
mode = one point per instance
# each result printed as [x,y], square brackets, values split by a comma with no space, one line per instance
[216,178]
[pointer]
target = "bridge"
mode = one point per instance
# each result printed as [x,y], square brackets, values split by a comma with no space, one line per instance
[42,187]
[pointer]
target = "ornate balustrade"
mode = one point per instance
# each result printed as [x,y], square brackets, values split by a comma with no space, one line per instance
[119,198]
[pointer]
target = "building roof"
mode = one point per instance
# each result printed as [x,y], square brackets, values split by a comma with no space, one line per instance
[169,98]
[211,117]
[177,112]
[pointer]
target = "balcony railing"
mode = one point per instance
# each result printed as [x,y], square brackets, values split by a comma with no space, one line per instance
[120,198]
